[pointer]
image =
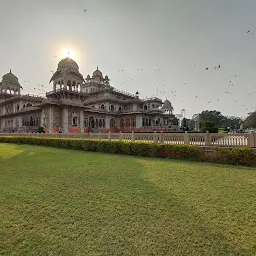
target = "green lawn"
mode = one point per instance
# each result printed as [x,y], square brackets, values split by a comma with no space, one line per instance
[67,202]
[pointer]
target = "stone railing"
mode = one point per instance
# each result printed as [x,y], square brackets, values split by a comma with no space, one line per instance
[201,139]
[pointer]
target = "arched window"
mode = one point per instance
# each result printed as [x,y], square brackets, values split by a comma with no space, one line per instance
[91,122]
[86,122]
[100,123]
[133,123]
[153,105]
[103,123]
[112,108]
[145,107]
[97,122]
[127,123]
[74,88]
[102,106]
[143,121]
[121,123]
[74,120]
[28,105]
[112,123]
[31,121]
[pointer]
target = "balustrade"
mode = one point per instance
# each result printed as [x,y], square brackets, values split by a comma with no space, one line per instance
[200,139]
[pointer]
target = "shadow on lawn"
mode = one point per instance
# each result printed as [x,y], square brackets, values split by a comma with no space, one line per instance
[116,200]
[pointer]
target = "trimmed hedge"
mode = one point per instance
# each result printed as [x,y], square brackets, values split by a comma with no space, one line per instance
[191,152]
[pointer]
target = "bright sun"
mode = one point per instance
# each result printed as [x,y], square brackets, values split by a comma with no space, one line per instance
[69,53]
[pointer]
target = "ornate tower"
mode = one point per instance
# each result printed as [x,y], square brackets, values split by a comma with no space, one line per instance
[10,84]
[64,107]
[67,76]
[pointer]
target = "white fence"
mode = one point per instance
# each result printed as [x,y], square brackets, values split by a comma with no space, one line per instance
[201,139]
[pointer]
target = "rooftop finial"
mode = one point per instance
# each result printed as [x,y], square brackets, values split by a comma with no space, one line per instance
[97,68]
[10,71]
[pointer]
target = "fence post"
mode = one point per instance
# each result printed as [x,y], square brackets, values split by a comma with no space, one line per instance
[155,137]
[252,139]
[120,136]
[109,135]
[99,135]
[161,137]
[186,138]
[207,139]
[132,138]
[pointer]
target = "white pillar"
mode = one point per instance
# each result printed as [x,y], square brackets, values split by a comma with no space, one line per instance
[107,123]
[65,120]
[65,83]
[82,120]
[51,120]
[54,86]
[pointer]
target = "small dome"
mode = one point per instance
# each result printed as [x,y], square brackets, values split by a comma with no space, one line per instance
[88,77]
[106,78]
[68,63]
[167,105]
[97,72]
[10,78]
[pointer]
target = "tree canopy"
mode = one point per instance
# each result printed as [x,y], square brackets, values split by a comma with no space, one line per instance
[250,121]
[219,120]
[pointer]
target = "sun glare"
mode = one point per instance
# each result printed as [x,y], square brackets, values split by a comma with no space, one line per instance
[69,53]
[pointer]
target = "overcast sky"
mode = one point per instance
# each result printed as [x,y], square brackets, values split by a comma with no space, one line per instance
[173,41]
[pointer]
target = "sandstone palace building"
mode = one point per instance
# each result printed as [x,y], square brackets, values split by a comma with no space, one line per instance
[78,105]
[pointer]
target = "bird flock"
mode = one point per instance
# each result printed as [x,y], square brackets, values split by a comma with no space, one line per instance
[172,92]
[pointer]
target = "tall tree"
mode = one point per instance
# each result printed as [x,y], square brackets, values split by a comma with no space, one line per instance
[210,115]
[219,120]
[250,121]
[231,121]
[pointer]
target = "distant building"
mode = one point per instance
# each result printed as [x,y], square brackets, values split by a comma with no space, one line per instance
[78,105]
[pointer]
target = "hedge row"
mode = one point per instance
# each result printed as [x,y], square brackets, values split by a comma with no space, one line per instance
[192,152]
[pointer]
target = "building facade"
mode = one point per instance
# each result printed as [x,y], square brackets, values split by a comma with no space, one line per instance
[78,105]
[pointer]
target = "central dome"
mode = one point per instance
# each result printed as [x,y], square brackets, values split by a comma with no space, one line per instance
[10,78]
[97,73]
[68,63]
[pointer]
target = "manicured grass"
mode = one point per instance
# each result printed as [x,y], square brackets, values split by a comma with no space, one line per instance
[68,202]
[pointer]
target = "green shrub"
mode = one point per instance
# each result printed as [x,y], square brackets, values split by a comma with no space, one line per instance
[210,129]
[40,129]
[193,152]
[209,124]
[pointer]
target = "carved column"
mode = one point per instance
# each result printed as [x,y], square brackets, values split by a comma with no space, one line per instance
[54,86]
[65,120]
[82,120]
[51,120]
